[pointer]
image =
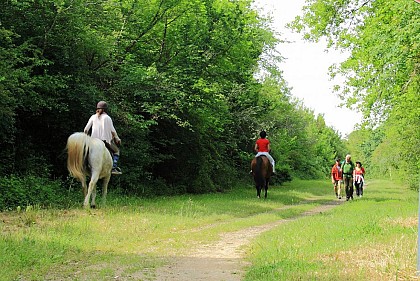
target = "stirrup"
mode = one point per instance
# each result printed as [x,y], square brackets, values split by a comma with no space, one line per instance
[116,171]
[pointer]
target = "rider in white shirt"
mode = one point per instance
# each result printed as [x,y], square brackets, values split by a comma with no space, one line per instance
[103,129]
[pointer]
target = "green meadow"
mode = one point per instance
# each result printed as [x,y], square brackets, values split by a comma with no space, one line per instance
[369,238]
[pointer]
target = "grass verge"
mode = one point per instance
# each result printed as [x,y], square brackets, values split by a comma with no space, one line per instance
[370,238]
[131,237]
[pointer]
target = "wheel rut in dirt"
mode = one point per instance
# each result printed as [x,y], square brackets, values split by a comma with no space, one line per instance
[222,260]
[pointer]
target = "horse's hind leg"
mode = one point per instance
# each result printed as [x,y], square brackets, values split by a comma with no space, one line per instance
[93,200]
[266,188]
[91,191]
[84,187]
[105,189]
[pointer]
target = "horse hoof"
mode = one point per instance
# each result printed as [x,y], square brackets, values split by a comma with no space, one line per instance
[93,206]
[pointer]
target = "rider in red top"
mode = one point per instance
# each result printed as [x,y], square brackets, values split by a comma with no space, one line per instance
[262,147]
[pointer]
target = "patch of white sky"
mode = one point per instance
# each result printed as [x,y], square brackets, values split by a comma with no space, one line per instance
[305,67]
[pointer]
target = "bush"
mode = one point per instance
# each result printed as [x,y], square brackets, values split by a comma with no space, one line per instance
[282,176]
[30,190]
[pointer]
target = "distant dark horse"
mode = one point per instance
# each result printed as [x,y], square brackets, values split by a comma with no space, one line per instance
[262,171]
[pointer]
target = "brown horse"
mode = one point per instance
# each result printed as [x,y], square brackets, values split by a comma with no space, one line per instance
[262,171]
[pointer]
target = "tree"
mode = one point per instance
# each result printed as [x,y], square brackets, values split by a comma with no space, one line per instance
[180,78]
[382,70]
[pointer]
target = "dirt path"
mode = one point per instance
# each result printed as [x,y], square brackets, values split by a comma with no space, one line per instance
[222,260]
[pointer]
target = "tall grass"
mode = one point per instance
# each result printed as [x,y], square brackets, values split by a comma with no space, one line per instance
[130,237]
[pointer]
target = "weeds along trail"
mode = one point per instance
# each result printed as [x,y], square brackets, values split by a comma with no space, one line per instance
[222,260]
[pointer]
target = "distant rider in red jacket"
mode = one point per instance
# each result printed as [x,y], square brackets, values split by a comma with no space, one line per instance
[262,147]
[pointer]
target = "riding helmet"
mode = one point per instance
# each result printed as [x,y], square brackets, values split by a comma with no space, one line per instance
[102,105]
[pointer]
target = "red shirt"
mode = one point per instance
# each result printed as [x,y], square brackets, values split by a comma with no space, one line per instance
[336,172]
[359,172]
[263,145]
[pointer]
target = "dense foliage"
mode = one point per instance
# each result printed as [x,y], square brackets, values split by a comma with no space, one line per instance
[382,77]
[180,79]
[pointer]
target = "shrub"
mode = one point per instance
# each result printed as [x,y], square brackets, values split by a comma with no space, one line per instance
[30,190]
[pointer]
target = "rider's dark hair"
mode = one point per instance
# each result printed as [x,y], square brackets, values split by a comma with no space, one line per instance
[263,134]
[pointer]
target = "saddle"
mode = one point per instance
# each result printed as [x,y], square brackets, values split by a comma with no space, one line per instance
[108,146]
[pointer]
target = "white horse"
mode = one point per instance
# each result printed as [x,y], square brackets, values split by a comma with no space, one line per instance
[88,156]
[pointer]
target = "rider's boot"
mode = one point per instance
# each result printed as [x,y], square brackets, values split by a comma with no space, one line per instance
[115,169]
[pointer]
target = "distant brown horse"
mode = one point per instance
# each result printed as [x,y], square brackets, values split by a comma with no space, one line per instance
[262,171]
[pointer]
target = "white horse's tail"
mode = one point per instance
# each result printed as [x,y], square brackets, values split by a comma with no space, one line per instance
[77,151]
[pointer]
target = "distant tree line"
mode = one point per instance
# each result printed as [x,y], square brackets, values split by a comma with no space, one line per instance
[382,77]
[180,77]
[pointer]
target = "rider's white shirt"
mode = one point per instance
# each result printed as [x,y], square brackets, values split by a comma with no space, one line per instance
[102,127]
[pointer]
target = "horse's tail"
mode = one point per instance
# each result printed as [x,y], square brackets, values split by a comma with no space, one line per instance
[77,151]
[259,179]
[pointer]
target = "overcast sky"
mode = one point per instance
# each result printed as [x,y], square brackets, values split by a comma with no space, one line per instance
[306,67]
